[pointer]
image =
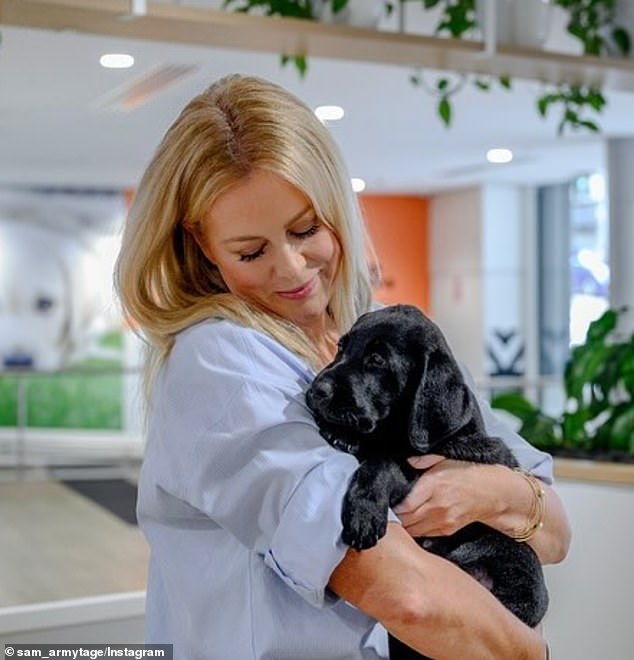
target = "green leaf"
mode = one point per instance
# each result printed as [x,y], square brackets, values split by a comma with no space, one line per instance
[515,404]
[442,84]
[582,368]
[573,428]
[590,125]
[444,111]
[301,65]
[542,104]
[299,61]
[622,428]
[622,40]
[596,99]
[505,81]
[600,328]
[338,5]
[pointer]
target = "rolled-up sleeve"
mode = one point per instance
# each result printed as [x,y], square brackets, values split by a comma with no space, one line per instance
[304,551]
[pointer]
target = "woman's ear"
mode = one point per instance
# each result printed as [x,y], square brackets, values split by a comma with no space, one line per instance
[196,234]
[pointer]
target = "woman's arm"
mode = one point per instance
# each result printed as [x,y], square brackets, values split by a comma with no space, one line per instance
[452,494]
[430,604]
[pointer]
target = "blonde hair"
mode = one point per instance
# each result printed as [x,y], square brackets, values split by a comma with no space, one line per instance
[240,123]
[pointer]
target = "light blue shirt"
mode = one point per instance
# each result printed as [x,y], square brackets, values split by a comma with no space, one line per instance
[240,501]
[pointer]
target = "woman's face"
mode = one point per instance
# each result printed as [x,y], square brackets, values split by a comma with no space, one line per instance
[271,249]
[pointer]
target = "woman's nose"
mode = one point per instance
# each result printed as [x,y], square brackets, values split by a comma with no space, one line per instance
[290,262]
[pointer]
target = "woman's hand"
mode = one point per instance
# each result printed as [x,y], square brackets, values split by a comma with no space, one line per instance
[448,496]
[451,494]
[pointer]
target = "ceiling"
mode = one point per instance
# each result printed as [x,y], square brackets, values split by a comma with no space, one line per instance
[62,121]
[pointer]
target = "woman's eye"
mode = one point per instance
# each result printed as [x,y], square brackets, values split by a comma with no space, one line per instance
[252,255]
[311,231]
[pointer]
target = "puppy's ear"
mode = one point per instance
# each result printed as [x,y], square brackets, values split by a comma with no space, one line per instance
[441,403]
[418,433]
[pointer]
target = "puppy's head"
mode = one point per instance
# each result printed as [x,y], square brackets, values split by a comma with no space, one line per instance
[362,394]
[394,387]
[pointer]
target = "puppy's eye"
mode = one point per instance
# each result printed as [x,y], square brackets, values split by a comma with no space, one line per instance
[374,360]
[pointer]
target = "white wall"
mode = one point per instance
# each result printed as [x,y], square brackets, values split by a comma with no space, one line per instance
[591,616]
[479,259]
[456,273]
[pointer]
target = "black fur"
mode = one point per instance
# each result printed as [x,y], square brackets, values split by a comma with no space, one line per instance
[394,390]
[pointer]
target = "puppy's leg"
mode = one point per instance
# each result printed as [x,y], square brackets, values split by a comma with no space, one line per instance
[376,485]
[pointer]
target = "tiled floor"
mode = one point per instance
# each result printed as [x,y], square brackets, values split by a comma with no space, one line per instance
[56,544]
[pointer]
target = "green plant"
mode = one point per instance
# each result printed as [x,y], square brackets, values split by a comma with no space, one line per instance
[457,18]
[444,88]
[598,416]
[292,9]
[593,23]
[573,101]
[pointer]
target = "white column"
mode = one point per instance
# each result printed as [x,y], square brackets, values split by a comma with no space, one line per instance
[620,152]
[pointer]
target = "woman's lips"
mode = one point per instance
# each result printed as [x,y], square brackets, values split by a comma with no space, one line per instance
[300,292]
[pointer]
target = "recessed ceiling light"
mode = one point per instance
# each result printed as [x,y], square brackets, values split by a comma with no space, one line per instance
[499,155]
[116,61]
[358,185]
[329,112]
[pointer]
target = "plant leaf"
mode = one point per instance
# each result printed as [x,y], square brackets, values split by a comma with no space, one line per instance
[444,111]
[622,40]
[338,5]
[505,81]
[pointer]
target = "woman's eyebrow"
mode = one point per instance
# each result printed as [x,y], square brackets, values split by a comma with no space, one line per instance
[241,239]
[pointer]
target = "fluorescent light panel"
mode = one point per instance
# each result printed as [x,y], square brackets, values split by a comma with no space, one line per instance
[329,112]
[116,61]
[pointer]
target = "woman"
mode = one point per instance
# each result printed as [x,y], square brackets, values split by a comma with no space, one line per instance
[242,264]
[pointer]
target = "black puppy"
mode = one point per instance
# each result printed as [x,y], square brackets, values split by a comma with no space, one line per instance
[394,390]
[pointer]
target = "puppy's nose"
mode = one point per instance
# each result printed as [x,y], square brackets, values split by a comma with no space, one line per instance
[321,390]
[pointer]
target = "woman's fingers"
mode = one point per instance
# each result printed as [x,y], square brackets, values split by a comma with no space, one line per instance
[425,462]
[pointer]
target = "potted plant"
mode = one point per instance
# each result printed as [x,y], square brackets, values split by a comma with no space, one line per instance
[334,11]
[457,19]
[598,418]
[593,23]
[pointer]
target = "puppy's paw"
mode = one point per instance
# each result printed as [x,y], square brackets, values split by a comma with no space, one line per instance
[363,525]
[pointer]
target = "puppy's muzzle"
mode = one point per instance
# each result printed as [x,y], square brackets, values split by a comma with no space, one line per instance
[329,403]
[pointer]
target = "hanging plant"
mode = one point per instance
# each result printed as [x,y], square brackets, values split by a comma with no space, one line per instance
[573,102]
[592,22]
[458,17]
[444,88]
[304,9]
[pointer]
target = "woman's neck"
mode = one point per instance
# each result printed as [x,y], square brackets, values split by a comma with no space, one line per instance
[325,339]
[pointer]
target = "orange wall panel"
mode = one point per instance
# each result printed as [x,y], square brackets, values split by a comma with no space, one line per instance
[399,229]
